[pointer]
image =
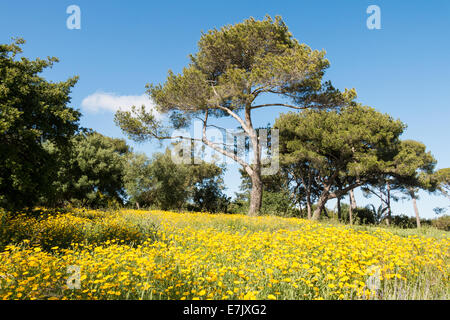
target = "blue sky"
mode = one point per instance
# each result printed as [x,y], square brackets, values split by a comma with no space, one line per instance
[402,69]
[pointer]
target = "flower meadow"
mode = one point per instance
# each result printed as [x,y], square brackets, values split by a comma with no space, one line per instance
[131,254]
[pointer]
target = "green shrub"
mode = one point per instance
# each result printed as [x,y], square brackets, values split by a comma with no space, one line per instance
[364,216]
[441,223]
[403,221]
[277,204]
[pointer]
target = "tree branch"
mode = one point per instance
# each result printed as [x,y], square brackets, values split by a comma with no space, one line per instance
[376,194]
[230,112]
[278,105]
[344,191]
[222,151]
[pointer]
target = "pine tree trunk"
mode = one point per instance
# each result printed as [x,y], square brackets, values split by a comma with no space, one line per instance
[352,206]
[416,210]
[325,212]
[339,208]
[352,199]
[309,206]
[255,195]
[308,194]
[350,214]
[389,217]
[257,186]
[320,204]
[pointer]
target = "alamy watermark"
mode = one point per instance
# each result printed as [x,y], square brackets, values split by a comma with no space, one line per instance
[74,20]
[373,283]
[227,146]
[74,279]
[374,20]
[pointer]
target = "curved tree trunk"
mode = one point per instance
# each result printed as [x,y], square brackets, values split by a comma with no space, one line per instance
[320,204]
[322,201]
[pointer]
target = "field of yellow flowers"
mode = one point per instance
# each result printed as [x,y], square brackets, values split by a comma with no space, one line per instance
[132,254]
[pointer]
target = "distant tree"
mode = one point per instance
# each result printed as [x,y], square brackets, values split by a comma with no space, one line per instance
[413,171]
[208,195]
[233,67]
[279,204]
[439,210]
[442,223]
[92,173]
[32,111]
[410,170]
[137,178]
[382,189]
[442,180]
[378,214]
[162,183]
[346,148]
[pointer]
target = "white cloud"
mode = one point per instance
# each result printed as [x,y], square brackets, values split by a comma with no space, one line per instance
[111,102]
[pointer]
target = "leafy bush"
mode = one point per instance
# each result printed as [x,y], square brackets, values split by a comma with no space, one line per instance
[403,221]
[209,197]
[364,216]
[273,203]
[277,204]
[441,223]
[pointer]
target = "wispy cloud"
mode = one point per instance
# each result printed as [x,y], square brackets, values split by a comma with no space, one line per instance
[111,102]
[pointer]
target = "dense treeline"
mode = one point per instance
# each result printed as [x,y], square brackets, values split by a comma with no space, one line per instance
[103,172]
[330,146]
[47,159]
[33,110]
